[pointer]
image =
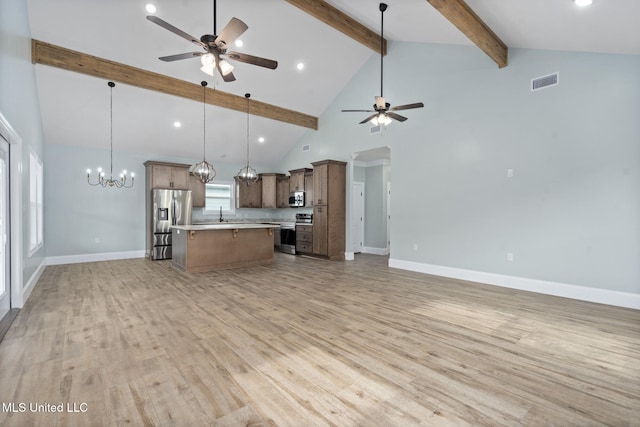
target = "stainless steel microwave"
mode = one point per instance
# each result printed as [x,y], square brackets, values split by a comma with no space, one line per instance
[296,199]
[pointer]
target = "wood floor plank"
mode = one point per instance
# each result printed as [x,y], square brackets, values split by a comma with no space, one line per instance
[306,342]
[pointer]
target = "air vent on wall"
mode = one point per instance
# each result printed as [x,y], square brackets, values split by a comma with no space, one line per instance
[306,148]
[375,129]
[544,81]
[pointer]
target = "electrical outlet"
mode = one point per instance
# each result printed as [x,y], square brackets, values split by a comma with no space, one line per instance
[97,240]
[415,246]
[509,173]
[509,256]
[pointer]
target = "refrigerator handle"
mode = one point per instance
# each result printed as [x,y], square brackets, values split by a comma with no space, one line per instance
[173,211]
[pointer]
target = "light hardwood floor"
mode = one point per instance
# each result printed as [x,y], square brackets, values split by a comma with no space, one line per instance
[306,342]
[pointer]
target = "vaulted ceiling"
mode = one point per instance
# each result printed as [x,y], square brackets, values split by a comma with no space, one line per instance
[75,106]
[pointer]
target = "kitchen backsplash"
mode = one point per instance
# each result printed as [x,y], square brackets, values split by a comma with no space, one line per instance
[249,215]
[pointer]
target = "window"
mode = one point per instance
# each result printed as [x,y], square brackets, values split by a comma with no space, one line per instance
[220,194]
[36,180]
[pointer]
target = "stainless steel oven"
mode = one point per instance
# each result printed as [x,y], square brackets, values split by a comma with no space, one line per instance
[288,238]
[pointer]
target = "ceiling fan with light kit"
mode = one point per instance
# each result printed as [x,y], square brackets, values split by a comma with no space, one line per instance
[215,55]
[383,112]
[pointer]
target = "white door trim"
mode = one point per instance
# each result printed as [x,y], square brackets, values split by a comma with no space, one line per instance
[15,166]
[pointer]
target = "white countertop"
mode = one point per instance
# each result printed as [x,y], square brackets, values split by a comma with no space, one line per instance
[222,226]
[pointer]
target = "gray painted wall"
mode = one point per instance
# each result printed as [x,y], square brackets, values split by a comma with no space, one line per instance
[20,106]
[571,212]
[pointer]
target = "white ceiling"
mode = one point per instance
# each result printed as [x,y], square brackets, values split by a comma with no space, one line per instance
[75,108]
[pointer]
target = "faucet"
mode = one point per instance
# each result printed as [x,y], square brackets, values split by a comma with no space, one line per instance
[221,219]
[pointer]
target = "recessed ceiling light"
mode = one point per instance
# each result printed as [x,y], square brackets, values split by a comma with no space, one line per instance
[300,66]
[261,140]
[239,43]
[150,8]
[583,2]
[177,124]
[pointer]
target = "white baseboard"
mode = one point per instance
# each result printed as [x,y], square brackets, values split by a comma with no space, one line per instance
[583,293]
[31,283]
[375,251]
[349,256]
[105,256]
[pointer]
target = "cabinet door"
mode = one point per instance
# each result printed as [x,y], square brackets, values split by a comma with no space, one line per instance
[198,191]
[308,189]
[320,236]
[180,178]
[162,176]
[296,182]
[249,196]
[269,191]
[282,190]
[320,184]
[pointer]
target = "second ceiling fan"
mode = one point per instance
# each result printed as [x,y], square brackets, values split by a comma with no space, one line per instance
[215,47]
[383,112]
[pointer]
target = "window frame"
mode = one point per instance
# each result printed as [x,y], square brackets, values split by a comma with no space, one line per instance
[232,198]
[36,203]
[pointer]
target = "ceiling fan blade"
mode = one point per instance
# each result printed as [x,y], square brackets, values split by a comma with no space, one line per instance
[395,116]
[229,77]
[174,30]
[380,103]
[230,33]
[254,60]
[368,119]
[407,106]
[181,56]
[358,111]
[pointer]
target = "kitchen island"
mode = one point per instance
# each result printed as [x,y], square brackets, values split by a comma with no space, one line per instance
[208,247]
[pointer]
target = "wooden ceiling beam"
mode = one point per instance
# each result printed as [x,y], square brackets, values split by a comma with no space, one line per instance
[342,22]
[67,59]
[465,19]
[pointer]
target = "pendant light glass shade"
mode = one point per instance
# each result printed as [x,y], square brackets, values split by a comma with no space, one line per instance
[247,174]
[204,170]
[122,182]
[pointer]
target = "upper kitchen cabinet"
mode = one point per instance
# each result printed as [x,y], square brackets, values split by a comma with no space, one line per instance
[249,196]
[269,189]
[282,191]
[329,204]
[198,191]
[296,180]
[308,188]
[167,175]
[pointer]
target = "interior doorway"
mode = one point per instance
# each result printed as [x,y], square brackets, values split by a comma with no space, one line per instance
[371,168]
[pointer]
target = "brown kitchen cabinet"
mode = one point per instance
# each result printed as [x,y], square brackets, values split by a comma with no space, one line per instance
[308,189]
[329,204]
[166,175]
[296,179]
[304,238]
[249,196]
[282,191]
[270,189]
[198,191]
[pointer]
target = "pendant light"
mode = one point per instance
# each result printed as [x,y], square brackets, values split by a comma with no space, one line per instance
[247,174]
[100,177]
[204,170]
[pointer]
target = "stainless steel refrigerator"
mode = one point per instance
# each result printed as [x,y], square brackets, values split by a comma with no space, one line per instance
[170,207]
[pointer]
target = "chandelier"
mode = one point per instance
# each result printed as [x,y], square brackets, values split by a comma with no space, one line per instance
[204,170]
[247,174]
[100,177]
